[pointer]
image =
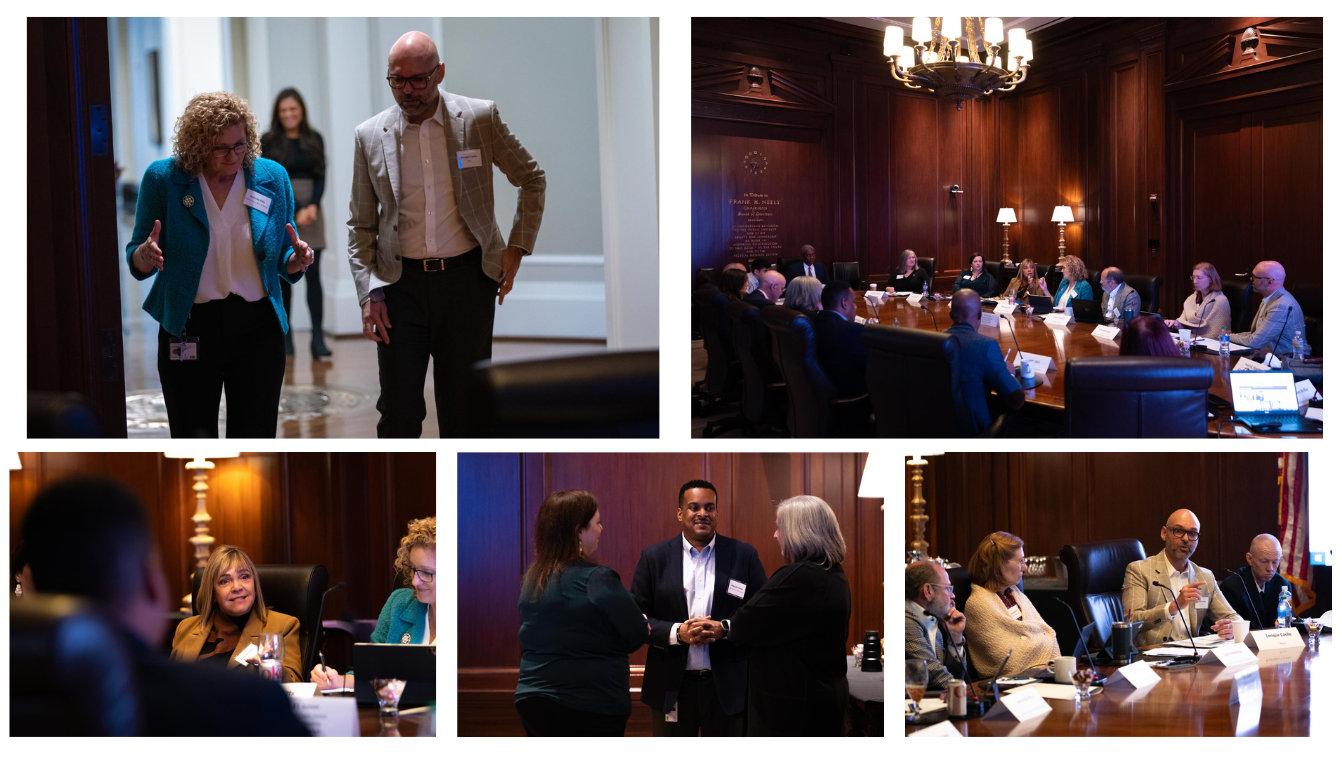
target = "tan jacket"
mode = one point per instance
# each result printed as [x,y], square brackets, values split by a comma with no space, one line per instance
[990,633]
[191,634]
[1151,604]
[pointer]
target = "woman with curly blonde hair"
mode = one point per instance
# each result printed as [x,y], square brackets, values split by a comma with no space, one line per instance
[410,615]
[215,222]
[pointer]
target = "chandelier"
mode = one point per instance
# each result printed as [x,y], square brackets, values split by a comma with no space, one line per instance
[957,67]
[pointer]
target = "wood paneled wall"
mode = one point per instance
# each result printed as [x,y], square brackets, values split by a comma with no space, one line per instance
[499,495]
[1170,145]
[347,511]
[1055,499]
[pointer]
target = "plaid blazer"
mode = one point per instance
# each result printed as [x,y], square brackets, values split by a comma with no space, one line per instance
[375,249]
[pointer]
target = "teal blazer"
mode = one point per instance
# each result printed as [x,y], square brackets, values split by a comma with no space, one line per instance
[1082,290]
[185,237]
[401,616]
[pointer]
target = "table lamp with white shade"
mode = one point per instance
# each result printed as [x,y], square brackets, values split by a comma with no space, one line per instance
[1062,215]
[1006,215]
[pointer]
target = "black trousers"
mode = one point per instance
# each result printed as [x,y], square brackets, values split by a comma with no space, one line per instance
[241,354]
[697,709]
[313,277]
[543,717]
[447,315]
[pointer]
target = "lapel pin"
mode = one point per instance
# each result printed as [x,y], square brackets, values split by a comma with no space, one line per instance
[405,639]
[188,201]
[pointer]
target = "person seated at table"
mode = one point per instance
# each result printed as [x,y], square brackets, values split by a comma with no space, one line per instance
[771,287]
[1185,585]
[734,284]
[410,616]
[1073,285]
[1026,283]
[1147,337]
[1278,318]
[933,630]
[90,537]
[838,341]
[808,267]
[999,618]
[803,295]
[1254,596]
[757,267]
[232,615]
[982,366]
[1206,310]
[907,275]
[1118,298]
[977,279]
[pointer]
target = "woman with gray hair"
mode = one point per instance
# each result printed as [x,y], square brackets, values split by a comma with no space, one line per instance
[797,628]
[803,295]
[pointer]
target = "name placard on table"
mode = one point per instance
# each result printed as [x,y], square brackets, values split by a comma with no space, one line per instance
[1264,640]
[1059,319]
[1137,674]
[1041,363]
[329,716]
[1231,655]
[1108,332]
[943,729]
[1248,687]
[1019,706]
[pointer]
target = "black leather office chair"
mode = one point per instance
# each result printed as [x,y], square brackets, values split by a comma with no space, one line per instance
[812,409]
[69,672]
[612,394]
[784,263]
[913,379]
[763,392]
[722,377]
[294,589]
[706,276]
[1002,274]
[1053,277]
[1095,581]
[1310,297]
[1148,288]
[1240,295]
[1137,396]
[851,273]
[1093,278]
[929,264]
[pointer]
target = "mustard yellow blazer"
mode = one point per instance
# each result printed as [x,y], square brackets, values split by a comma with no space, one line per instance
[191,634]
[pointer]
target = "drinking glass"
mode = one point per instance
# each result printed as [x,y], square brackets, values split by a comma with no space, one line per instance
[915,682]
[270,654]
[1313,626]
[1082,679]
[388,696]
[857,655]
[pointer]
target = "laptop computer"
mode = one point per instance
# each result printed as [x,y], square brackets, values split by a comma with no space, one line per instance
[1086,310]
[415,664]
[1265,402]
[1042,305]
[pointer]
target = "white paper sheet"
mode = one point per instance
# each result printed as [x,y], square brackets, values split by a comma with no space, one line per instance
[1315,413]
[1063,691]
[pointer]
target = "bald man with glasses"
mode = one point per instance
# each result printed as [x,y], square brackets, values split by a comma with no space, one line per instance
[1187,587]
[1278,317]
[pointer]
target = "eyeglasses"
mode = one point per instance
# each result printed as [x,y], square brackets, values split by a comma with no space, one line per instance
[221,151]
[425,574]
[418,82]
[1180,534]
[1260,277]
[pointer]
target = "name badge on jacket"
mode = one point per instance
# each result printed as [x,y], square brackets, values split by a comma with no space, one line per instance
[470,158]
[1014,613]
[737,589]
[257,201]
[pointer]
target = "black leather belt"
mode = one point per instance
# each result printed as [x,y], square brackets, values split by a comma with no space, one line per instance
[442,264]
[698,674]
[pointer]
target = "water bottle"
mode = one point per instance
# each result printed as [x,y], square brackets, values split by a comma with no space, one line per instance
[1225,342]
[1297,347]
[924,289]
[894,321]
[1284,608]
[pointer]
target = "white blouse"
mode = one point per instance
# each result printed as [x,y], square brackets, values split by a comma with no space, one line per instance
[230,262]
[425,641]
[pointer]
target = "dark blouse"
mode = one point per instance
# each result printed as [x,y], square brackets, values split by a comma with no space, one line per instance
[299,163]
[220,643]
[912,282]
[984,285]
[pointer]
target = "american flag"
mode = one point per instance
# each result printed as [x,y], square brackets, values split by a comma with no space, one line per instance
[1293,517]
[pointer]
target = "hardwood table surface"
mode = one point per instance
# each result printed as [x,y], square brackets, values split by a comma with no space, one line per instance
[417,722]
[1075,340]
[1190,702]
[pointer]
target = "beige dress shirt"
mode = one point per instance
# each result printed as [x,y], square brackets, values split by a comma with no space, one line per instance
[430,223]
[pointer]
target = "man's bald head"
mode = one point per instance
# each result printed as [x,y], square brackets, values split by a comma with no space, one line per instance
[413,64]
[1178,549]
[1268,276]
[772,284]
[966,307]
[1264,557]
[1184,517]
[415,49]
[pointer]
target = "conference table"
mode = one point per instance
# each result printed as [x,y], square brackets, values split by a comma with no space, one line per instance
[416,722]
[1034,337]
[1191,702]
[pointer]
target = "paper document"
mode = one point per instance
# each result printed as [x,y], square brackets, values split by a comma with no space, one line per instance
[1315,413]
[1064,691]
[1210,342]
[1206,641]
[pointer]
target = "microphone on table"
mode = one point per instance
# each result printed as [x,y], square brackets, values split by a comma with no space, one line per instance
[930,312]
[1080,635]
[1019,354]
[1195,655]
[1284,323]
[1247,595]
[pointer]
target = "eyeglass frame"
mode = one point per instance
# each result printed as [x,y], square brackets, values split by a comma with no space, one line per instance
[239,147]
[425,575]
[1180,533]
[426,76]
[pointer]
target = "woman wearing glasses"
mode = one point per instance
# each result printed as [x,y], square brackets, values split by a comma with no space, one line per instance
[215,222]
[1206,310]
[409,616]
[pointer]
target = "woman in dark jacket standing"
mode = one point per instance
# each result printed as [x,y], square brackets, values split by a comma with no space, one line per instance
[299,149]
[579,626]
[797,629]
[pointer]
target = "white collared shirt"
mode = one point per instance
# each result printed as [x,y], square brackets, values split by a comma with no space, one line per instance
[1113,300]
[810,270]
[430,225]
[698,576]
[230,261]
[426,641]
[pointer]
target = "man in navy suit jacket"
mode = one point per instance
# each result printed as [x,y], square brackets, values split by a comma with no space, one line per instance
[818,270]
[771,287]
[683,584]
[838,341]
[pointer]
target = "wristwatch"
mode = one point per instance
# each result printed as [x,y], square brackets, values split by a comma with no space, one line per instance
[726,628]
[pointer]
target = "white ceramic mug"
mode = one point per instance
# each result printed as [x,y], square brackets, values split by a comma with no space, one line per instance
[1240,628]
[1063,667]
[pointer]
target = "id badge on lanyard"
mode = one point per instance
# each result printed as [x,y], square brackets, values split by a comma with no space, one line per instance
[183,348]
